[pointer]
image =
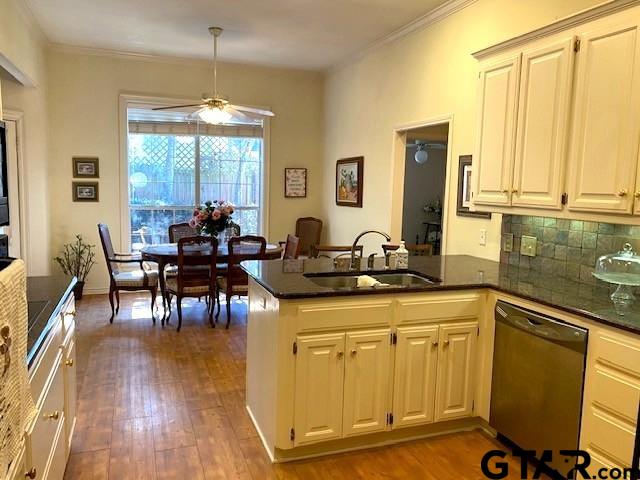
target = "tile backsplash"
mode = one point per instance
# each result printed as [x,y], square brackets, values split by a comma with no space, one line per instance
[565,248]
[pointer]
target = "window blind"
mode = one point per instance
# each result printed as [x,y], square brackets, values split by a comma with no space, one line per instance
[184,128]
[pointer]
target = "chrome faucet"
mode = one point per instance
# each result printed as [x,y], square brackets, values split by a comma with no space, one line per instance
[355,244]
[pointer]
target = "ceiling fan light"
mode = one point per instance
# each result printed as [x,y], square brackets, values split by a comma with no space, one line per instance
[421,156]
[214,115]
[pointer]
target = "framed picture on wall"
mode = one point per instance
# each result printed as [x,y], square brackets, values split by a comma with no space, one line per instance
[464,189]
[86,167]
[349,175]
[85,191]
[295,182]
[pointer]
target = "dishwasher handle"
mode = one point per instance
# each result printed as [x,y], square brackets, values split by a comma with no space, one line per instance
[540,325]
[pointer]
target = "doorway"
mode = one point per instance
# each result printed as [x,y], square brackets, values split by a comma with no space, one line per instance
[424,189]
[13,121]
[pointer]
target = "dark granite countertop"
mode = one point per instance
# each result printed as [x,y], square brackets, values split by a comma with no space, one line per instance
[46,296]
[289,279]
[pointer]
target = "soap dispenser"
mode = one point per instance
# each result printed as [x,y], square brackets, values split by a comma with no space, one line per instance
[402,256]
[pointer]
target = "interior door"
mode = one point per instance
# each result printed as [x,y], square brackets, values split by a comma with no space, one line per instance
[414,389]
[541,134]
[456,363]
[493,160]
[319,388]
[606,118]
[366,382]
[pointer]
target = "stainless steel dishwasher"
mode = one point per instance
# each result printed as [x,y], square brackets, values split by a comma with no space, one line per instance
[538,374]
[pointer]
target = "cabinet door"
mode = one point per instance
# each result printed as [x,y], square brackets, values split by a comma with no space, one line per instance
[493,160]
[606,118]
[366,382]
[319,388]
[70,394]
[542,135]
[414,389]
[456,362]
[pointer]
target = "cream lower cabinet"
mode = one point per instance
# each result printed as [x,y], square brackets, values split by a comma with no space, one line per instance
[434,379]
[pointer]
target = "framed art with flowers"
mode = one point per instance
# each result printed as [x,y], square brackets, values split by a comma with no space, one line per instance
[349,176]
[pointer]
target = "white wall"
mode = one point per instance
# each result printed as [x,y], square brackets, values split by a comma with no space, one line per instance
[83,108]
[423,184]
[427,74]
[22,44]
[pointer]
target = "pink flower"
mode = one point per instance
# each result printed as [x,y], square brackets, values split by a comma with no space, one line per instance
[193,223]
[196,212]
[216,214]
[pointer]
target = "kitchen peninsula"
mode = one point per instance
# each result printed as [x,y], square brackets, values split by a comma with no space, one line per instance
[333,368]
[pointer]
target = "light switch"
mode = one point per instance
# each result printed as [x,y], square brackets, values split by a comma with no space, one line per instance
[528,246]
[507,242]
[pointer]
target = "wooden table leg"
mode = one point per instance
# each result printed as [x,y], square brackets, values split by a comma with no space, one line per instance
[163,292]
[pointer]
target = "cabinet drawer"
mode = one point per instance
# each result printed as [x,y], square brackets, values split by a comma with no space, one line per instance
[42,366]
[613,437]
[620,395]
[438,308]
[41,440]
[333,315]
[618,351]
[68,315]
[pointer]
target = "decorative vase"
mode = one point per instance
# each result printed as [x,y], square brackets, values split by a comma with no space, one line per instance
[78,289]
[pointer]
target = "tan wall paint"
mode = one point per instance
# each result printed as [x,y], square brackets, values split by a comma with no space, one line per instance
[22,45]
[428,74]
[84,121]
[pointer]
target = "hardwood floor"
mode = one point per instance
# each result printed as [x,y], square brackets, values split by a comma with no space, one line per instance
[157,404]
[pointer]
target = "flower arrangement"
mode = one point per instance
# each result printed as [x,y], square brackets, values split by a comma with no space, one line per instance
[212,218]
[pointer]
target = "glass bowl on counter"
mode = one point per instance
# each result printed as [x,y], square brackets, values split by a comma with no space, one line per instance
[623,269]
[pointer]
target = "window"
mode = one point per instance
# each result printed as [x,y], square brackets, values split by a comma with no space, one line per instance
[173,171]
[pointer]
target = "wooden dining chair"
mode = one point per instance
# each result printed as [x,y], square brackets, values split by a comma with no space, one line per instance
[181,230]
[309,231]
[130,280]
[236,280]
[416,249]
[291,248]
[331,251]
[196,276]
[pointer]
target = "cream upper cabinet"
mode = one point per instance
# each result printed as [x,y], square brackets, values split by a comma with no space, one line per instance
[367,357]
[541,133]
[493,162]
[456,363]
[319,380]
[414,389]
[606,118]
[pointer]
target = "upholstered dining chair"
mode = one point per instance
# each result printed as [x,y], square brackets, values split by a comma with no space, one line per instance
[291,248]
[196,275]
[131,280]
[308,230]
[236,280]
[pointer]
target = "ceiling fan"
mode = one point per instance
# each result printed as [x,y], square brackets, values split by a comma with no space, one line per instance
[422,155]
[217,109]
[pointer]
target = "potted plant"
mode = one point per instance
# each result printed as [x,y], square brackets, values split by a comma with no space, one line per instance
[76,260]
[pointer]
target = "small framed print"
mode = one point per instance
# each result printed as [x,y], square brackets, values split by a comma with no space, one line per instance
[295,182]
[349,175]
[85,192]
[86,167]
[464,189]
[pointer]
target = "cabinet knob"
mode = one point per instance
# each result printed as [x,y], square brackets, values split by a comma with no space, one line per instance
[446,343]
[340,354]
[354,352]
[31,473]
[515,190]
[622,193]
[69,362]
[52,416]
[637,195]
[505,190]
[435,344]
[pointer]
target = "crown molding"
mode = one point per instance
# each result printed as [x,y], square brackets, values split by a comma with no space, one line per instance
[574,20]
[437,14]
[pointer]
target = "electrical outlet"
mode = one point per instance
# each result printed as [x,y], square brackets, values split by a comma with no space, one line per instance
[483,236]
[528,246]
[507,242]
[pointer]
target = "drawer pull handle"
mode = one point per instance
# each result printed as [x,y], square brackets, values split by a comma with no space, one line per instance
[52,416]
[31,473]
[69,362]
[340,354]
[515,190]
[622,193]
[637,195]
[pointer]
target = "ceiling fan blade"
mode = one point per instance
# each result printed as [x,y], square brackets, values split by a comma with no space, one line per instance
[255,111]
[241,116]
[179,106]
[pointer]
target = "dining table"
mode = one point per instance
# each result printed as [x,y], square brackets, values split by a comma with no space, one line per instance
[167,254]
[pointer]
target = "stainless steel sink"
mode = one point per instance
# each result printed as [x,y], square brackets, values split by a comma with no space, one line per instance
[394,280]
